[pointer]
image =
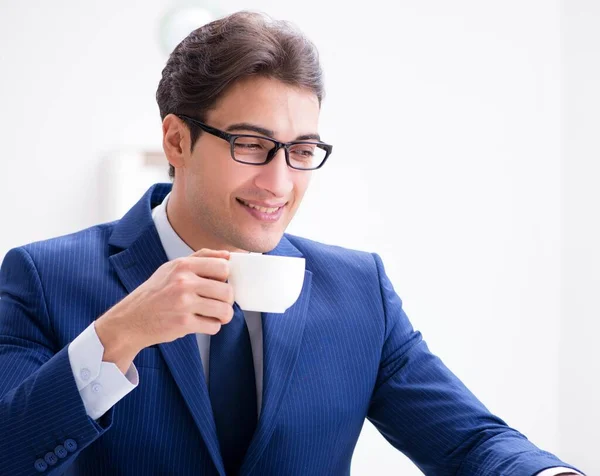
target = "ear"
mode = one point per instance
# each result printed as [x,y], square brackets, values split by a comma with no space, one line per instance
[176,140]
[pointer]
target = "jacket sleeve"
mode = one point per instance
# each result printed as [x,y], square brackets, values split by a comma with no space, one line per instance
[44,425]
[426,412]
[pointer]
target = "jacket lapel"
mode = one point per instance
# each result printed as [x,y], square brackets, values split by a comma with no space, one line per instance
[142,255]
[282,336]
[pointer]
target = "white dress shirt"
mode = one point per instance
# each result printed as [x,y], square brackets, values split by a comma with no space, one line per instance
[102,384]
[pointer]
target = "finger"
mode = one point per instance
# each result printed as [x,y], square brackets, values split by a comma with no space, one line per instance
[219,291]
[206,325]
[208,253]
[208,267]
[222,311]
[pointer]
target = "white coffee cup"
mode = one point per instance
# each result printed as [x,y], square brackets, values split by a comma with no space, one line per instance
[265,283]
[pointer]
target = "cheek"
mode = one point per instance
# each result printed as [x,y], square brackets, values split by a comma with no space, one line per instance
[301,184]
[217,172]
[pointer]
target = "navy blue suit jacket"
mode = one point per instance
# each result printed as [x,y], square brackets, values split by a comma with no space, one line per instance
[345,351]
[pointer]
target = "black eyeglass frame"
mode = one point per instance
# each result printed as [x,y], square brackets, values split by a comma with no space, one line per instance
[226,136]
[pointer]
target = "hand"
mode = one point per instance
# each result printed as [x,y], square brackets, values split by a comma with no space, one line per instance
[184,296]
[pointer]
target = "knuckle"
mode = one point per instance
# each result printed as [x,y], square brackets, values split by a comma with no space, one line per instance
[181,264]
[183,301]
[179,281]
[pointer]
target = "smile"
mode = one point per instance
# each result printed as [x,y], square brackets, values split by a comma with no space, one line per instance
[260,209]
[263,214]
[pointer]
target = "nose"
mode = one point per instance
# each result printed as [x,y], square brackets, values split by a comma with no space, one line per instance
[276,176]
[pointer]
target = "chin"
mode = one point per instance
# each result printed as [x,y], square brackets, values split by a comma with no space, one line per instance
[263,244]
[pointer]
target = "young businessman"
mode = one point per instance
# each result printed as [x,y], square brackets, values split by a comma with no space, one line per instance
[122,350]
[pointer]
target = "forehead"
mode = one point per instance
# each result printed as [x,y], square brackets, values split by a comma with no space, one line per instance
[269,103]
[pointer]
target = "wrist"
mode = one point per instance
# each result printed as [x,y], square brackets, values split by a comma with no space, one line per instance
[119,347]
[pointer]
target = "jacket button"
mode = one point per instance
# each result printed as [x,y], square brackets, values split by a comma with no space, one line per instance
[60,451]
[50,458]
[70,445]
[40,465]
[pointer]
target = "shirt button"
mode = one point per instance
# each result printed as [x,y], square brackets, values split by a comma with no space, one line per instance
[50,458]
[60,451]
[70,445]
[96,388]
[85,374]
[40,465]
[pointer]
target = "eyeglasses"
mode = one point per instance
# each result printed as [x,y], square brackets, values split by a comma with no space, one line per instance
[259,150]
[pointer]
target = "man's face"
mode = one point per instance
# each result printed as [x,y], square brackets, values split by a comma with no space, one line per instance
[218,193]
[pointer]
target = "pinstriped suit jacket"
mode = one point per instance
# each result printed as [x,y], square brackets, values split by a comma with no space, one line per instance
[345,351]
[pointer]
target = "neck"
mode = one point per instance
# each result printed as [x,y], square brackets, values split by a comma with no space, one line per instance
[184,225]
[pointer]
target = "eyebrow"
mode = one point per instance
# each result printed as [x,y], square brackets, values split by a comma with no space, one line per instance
[246,126]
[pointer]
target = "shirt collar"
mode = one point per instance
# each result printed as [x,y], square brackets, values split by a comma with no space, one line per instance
[174,246]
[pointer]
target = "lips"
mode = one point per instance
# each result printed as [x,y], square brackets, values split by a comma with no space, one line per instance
[266,208]
[261,213]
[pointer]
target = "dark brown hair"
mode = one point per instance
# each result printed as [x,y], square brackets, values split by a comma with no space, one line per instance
[215,56]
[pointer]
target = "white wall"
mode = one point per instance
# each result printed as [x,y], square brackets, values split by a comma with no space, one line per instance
[580,355]
[445,118]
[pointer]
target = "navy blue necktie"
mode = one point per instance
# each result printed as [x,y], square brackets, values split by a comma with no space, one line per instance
[232,390]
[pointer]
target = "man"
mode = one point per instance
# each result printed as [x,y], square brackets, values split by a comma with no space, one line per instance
[122,350]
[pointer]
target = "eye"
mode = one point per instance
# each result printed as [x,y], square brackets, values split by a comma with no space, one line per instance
[304,151]
[252,145]
[248,145]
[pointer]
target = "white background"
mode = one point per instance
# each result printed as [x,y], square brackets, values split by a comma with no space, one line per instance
[466,154]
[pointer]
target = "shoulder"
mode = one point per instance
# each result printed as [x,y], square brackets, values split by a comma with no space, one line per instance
[84,245]
[321,256]
[60,263]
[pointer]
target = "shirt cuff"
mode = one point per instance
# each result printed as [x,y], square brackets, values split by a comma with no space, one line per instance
[557,470]
[100,384]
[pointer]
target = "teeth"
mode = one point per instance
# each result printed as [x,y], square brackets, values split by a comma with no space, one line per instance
[261,209]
